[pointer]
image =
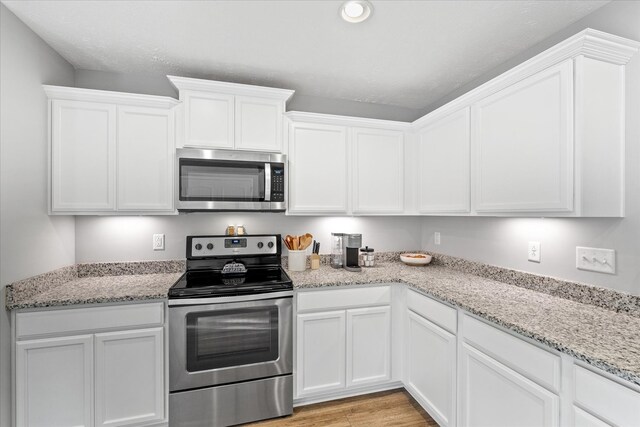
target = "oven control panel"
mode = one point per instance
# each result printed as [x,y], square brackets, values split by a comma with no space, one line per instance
[216,246]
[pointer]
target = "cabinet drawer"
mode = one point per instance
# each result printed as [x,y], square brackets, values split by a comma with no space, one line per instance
[78,320]
[606,398]
[437,312]
[535,363]
[343,298]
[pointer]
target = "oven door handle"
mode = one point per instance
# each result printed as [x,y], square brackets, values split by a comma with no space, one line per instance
[237,298]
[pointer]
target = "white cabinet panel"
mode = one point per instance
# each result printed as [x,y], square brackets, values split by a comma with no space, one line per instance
[54,382]
[524,145]
[83,150]
[258,124]
[434,311]
[318,162]
[146,156]
[129,377]
[585,419]
[443,165]
[208,119]
[368,345]
[431,368]
[321,352]
[378,170]
[331,299]
[606,398]
[494,395]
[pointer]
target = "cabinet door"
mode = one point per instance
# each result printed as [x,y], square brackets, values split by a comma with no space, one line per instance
[320,352]
[318,161]
[54,382]
[431,368]
[368,346]
[208,119]
[130,383]
[524,143]
[378,171]
[443,165]
[494,395]
[258,124]
[145,159]
[83,156]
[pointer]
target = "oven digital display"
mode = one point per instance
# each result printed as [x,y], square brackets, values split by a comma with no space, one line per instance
[235,243]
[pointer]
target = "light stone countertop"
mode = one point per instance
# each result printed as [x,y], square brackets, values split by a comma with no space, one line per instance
[600,337]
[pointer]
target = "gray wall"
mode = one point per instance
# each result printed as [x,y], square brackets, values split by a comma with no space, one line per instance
[31,241]
[129,238]
[504,241]
[158,84]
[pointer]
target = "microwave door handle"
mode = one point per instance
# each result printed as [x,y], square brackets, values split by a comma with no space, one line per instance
[267,182]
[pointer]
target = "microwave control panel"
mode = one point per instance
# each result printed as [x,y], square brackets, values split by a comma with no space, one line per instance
[277,182]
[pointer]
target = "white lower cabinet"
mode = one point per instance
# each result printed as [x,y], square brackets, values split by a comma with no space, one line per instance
[129,377]
[368,349]
[54,382]
[493,395]
[111,378]
[338,348]
[430,370]
[321,352]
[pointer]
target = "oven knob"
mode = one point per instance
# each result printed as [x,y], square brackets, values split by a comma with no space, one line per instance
[260,245]
[270,244]
[198,246]
[209,246]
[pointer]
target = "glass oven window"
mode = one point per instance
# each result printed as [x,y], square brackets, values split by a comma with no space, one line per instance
[218,180]
[219,339]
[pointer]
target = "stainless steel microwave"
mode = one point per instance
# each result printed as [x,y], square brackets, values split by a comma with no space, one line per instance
[223,180]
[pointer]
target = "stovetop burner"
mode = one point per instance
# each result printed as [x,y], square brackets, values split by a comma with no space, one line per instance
[227,266]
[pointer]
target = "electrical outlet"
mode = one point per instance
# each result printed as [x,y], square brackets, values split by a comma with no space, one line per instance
[436,237]
[596,259]
[158,242]
[534,251]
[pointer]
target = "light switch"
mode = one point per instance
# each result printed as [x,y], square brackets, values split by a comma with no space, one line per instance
[158,242]
[534,251]
[596,259]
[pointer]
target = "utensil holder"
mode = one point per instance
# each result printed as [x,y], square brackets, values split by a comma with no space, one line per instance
[297,260]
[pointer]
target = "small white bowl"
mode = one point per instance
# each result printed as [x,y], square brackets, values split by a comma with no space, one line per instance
[407,259]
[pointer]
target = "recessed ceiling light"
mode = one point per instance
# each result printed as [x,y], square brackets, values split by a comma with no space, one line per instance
[356,10]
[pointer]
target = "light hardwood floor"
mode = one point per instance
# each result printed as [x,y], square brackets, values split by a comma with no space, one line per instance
[388,408]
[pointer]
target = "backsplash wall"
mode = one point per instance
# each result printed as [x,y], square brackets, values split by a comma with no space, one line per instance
[108,239]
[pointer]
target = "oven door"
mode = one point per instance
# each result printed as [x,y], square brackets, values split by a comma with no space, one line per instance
[222,343]
[221,180]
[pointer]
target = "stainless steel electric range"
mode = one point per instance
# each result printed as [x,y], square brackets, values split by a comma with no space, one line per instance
[230,333]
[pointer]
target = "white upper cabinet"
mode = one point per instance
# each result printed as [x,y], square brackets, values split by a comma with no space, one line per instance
[544,138]
[258,124]
[219,115]
[83,156]
[443,164]
[145,159]
[524,145]
[317,168]
[378,170]
[110,152]
[208,119]
[345,165]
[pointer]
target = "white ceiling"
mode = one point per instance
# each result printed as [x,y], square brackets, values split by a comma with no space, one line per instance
[409,54]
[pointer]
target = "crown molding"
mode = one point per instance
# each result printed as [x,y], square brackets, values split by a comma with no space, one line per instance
[330,119]
[121,98]
[186,83]
[589,43]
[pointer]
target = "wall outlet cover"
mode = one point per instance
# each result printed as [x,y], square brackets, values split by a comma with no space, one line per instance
[596,259]
[534,251]
[158,242]
[436,238]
